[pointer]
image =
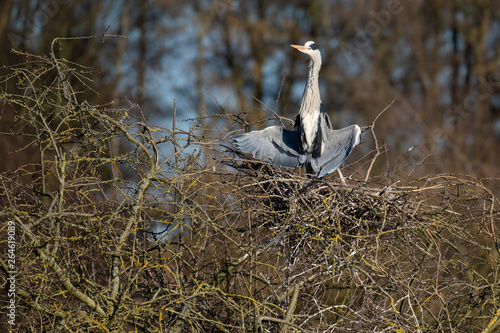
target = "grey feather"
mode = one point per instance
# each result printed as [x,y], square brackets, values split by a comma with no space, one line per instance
[280,147]
[338,145]
[273,144]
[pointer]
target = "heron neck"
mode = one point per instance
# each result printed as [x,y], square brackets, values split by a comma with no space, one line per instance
[311,99]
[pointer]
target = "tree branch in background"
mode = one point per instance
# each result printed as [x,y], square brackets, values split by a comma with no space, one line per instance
[377,147]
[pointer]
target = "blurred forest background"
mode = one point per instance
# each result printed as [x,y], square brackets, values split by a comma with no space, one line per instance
[439,59]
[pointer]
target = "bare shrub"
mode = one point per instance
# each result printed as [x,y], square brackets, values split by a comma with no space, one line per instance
[245,247]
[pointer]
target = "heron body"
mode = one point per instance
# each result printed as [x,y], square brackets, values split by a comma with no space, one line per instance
[312,143]
[307,121]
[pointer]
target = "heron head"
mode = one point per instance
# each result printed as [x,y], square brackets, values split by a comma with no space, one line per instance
[309,48]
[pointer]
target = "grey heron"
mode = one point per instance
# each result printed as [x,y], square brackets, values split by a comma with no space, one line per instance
[312,142]
[307,122]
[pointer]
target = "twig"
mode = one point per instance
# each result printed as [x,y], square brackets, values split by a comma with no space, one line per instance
[277,320]
[377,148]
[493,322]
[279,94]
[291,308]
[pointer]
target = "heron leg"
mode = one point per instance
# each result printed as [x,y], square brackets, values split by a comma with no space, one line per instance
[342,179]
[309,169]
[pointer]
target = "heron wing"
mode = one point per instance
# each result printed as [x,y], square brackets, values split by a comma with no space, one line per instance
[338,144]
[324,117]
[273,144]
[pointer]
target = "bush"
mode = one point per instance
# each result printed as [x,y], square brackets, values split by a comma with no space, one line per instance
[243,246]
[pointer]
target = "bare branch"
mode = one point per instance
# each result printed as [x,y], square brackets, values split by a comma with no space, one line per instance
[377,148]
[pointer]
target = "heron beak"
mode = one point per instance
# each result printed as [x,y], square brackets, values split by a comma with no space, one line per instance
[299,47]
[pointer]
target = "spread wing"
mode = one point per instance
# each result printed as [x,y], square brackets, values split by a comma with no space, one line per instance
[280,147]
[338,144]
[273,144]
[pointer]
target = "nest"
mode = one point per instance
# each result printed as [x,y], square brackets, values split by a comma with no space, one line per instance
[367,254]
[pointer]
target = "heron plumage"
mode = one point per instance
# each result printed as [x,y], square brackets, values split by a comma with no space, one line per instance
[312,143]
[310,104]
